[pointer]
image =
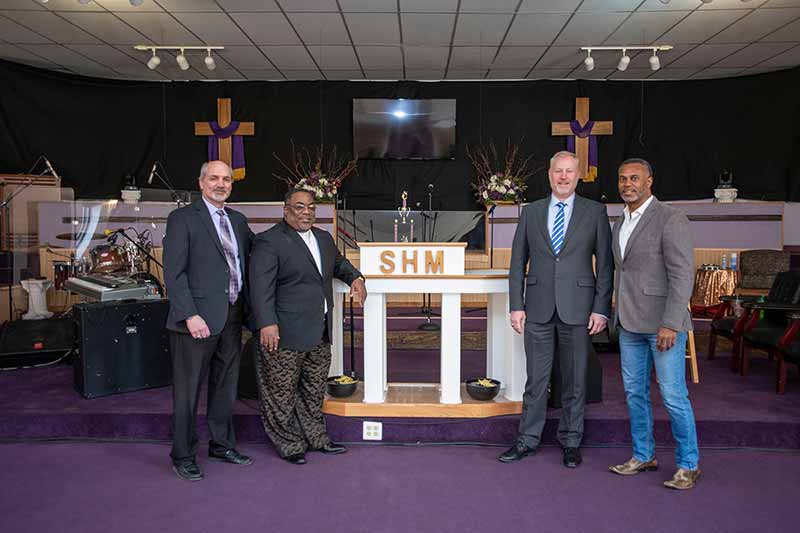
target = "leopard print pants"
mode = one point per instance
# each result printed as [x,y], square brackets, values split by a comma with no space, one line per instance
[291,387]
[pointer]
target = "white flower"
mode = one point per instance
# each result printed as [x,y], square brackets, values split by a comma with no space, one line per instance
[333,191]
[507,182]
[501,189]
[485,195]
[323,181]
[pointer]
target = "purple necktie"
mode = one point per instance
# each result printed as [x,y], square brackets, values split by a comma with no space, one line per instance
[230,255]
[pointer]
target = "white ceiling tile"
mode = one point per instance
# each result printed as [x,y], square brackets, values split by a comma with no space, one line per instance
[482,6]
[60,55]
[756,25]
[380,57]
[373,28]
[472,57]
[507,74]
[465,74]
[783,3]
[161,28]
[20,55]
[309,5]
[136,73]
[531,30]
[320,28]
[511,57]
[424,74]
[266,28]
[177,6]
[481,30]
[335,57]
[790,58]
[549,73]
[110,56]
[213,28]
[710,73]
[289,57]
[14,33]
[758,70]
[590,28]
[303,75]
[432,6]
[753,54]
[674,5]
[596,74]
[107,27]
[343,74]
[670,73]
[631,74]
[368,6]
[246,57]
[669,56]
[789,33]
[549,6]
[52,26]
[27,4]
[125,5]
[430,28]
[250,6]
[732,4]
[704,55]
[262,74]
[383,74]
[426,57]
[645,28]
[607,6]
[562,57]
[699,26]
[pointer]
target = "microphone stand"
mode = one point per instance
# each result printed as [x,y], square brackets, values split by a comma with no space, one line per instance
[428,325]
[147,254]
[7,229]
[175,196]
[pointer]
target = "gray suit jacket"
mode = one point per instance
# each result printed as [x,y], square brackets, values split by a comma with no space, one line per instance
[567,283]
[655,280]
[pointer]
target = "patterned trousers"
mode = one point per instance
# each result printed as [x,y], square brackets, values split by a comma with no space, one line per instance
[291,387]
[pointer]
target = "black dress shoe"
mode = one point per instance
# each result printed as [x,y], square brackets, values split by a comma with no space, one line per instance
[572,457]
[515,453]
[188,470]
[296,458]
[230,456]
[331,449]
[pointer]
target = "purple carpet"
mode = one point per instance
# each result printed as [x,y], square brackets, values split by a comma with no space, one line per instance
[128,488]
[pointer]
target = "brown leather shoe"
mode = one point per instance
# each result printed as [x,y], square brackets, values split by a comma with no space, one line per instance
[683,479]
[633,466]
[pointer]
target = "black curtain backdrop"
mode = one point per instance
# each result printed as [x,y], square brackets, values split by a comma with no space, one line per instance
[96,131]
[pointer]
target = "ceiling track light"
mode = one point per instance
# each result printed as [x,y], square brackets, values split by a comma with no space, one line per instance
[589,61]
[625,60]
[181,59]
[655,63]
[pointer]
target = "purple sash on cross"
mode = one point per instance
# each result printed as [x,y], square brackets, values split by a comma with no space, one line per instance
[582,132]
[223,133]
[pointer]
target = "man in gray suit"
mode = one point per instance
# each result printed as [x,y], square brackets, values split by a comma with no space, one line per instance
[655,274]
[561,302]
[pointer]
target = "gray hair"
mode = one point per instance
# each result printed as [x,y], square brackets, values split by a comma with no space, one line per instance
[637,161]
[294,190]
[563,153]
[204,169]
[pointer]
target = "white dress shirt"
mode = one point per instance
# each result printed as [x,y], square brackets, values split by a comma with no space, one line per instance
[313,247]
[553,210]
[215,218]
[629,223]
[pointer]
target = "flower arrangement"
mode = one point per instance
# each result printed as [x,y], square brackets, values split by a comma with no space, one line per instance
[499,177]
[321,173]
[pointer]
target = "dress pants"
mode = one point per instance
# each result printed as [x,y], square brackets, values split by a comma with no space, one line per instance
[193,359]
[291,389]
[574,345]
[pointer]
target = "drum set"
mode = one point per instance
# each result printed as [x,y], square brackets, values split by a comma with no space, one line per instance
[119,257]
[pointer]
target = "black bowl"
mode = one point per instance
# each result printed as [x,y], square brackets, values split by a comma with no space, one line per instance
[340,390]
[479,392]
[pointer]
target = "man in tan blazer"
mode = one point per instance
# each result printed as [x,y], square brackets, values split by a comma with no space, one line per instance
[654,277]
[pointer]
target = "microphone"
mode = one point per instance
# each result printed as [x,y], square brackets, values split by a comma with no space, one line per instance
[50,168]
[603,198]
[430,186]
[110,232]
[152,173]
[491,209]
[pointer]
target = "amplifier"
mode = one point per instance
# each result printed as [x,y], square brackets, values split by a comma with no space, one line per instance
[122,347]
[35,342]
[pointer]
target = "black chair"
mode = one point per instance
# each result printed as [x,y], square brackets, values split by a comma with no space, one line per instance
[785,290]
[780,343]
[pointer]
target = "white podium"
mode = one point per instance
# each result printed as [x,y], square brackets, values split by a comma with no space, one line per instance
[505,355]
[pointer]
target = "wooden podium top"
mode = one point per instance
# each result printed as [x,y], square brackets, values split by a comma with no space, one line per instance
[33,179]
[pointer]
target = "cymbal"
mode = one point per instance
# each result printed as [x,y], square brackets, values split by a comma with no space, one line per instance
[80,236]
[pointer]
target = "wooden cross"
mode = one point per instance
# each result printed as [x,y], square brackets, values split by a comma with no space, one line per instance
[224,119]
[582,145]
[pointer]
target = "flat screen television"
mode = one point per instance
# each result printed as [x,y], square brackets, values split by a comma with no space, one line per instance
[404,129]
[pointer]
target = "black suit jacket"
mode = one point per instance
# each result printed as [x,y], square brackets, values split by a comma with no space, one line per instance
[287,289]
[195,270]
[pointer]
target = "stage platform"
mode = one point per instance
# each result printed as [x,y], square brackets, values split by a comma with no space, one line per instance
[731,411]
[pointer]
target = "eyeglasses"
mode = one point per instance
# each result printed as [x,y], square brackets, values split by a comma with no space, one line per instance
[299,208]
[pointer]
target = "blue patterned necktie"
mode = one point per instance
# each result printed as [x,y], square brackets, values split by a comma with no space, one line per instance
[557,237]
[230,256]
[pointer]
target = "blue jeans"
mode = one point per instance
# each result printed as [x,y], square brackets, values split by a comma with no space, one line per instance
[638,353]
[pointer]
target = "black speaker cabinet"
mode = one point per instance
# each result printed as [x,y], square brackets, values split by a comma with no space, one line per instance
[122,347]
[35,342]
